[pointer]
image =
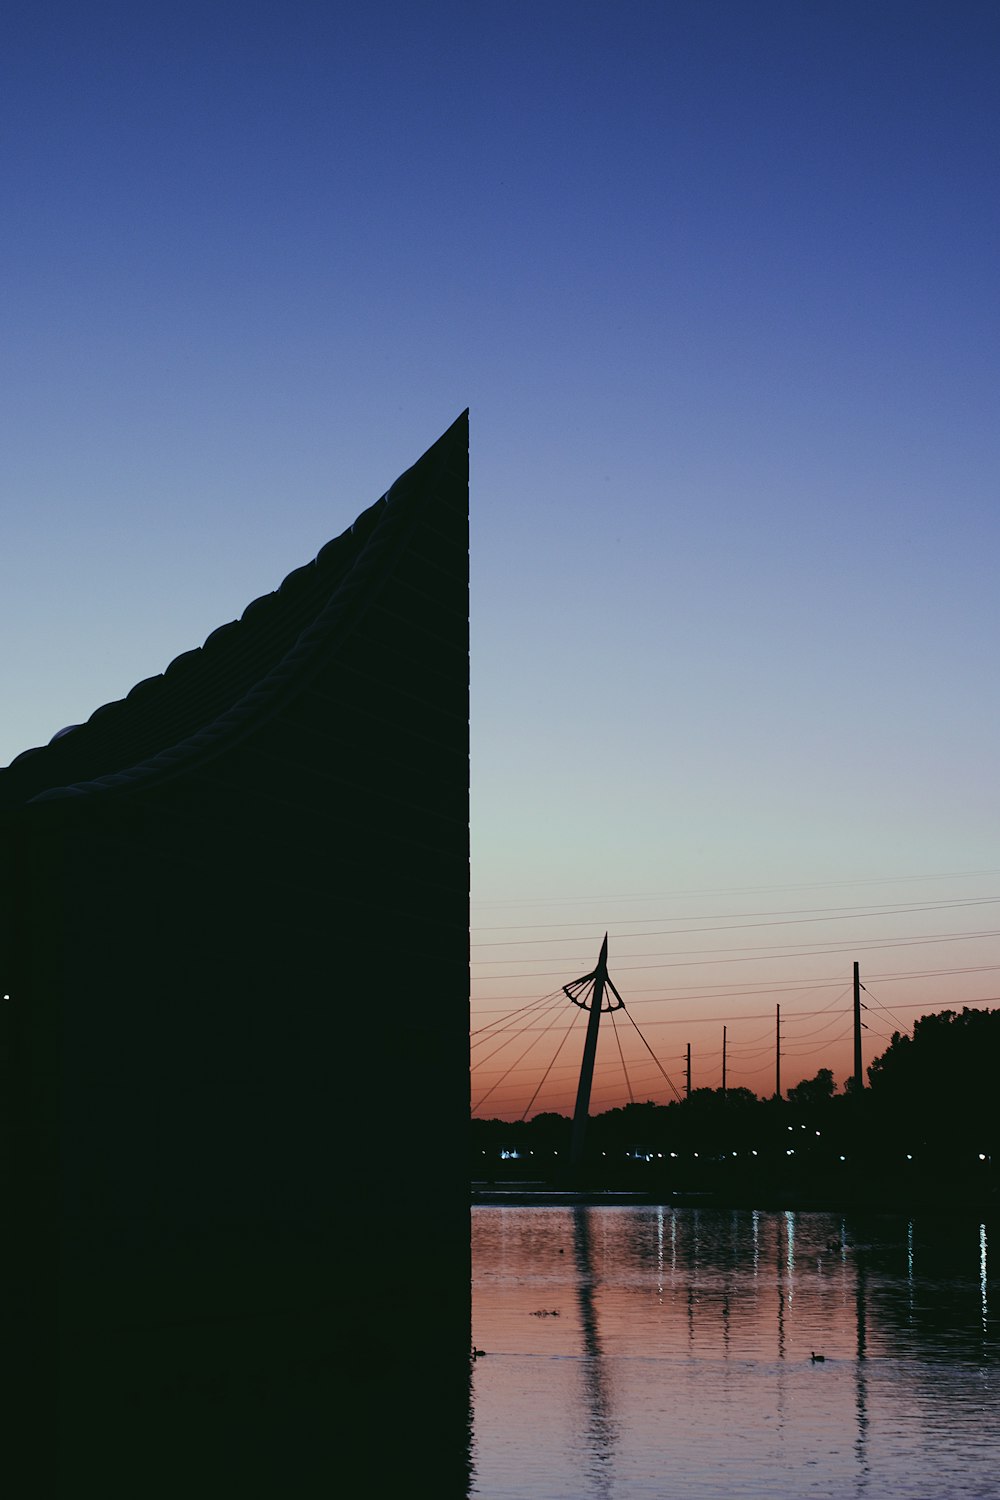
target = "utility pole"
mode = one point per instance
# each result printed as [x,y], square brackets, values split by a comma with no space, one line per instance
[687,1086]
[777,1053]
[859,1081]
[724,1029]
[600,981]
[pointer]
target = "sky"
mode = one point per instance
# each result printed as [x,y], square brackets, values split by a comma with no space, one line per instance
[717,281]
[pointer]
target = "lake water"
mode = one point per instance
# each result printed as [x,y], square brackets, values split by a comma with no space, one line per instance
[666,1352]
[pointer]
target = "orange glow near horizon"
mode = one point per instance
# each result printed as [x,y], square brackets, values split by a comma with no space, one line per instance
[687,974]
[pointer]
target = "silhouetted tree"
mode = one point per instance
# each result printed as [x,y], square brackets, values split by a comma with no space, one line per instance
[740,1098]
[631,1124]
[942,1079]
[814,1090]
[550,1130]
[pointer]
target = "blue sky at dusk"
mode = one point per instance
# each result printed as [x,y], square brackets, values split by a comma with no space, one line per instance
[718,282]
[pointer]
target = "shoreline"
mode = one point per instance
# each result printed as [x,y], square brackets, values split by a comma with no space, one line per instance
[545,1195]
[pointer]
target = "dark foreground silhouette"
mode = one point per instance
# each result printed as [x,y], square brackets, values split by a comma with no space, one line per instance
[206,1293]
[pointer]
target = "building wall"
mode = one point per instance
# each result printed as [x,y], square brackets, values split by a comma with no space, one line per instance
[241,1015]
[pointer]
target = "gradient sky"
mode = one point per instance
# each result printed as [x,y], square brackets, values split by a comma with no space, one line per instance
[719,283]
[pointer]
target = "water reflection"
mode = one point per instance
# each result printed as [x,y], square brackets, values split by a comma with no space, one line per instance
[688,1332]
[600,1428]
[861,1347]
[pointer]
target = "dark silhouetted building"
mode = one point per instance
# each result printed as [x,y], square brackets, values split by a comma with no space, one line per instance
[235,1053]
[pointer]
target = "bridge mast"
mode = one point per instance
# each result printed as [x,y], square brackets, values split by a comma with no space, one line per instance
[600,981]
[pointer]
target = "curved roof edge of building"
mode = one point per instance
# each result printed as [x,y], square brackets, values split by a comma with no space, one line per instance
[205,698]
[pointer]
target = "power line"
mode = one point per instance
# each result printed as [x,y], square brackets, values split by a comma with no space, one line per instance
[790,919]
[739,890]
[773,950]
[883,1007]
[721,991]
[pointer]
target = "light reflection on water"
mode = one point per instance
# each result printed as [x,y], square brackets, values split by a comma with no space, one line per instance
[649,1351]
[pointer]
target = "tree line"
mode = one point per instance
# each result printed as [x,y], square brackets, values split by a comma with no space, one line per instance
[928,1116]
